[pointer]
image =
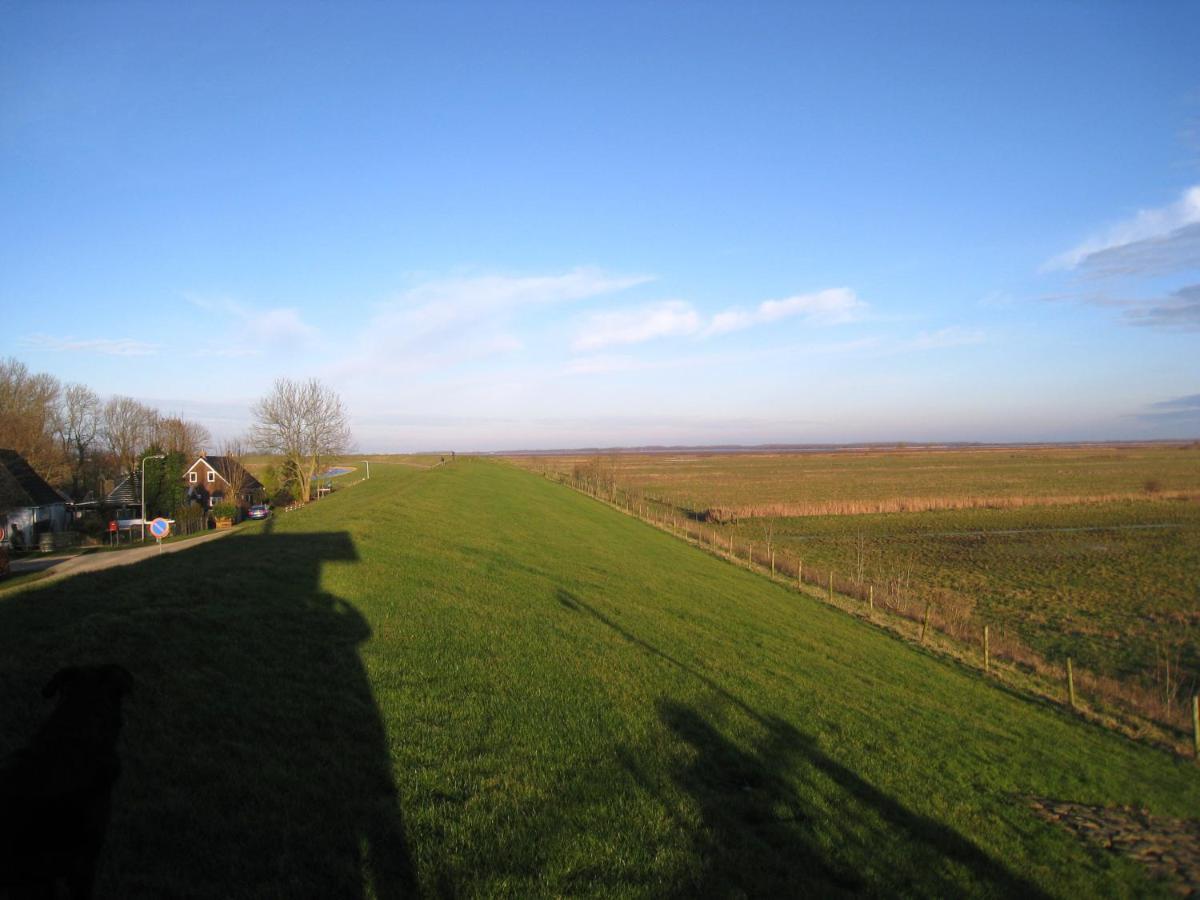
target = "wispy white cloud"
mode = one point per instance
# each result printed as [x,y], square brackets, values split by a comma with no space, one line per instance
[835,306]
[1176,411]
[678,318]
[247,331]
[280,327]
[105,346]
[1178,250]
[446,321]
[633,326]
[1151,242]
[450,298]
[609,364]
[873,345]
[1180,311]
[438,304]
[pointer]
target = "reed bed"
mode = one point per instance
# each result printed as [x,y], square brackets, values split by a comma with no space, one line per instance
[920,504]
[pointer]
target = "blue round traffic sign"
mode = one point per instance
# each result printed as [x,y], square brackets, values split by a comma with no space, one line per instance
[160,528]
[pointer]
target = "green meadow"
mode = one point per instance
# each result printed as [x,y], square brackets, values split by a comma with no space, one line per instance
[1105,583]
[468,680]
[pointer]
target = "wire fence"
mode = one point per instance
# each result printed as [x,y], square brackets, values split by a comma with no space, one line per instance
[1167,714]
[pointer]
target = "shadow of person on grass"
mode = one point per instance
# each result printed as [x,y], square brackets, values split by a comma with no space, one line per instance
[786,819]
[256,761]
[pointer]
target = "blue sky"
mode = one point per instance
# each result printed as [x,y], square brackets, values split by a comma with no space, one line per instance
[542,225]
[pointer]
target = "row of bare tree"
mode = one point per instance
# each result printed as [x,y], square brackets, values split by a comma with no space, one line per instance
[75,440]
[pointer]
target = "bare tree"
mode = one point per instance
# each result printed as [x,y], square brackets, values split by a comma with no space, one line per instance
[234,451]
[27,411]
[129,429]
[174,434]
[304,422]
[77,426]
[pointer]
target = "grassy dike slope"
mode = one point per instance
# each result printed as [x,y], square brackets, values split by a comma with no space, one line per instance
[468,680]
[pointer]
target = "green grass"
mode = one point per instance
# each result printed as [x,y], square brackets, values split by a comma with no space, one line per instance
[468,680]
[1107,584]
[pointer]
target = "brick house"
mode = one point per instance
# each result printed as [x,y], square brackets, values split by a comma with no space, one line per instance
[210,480]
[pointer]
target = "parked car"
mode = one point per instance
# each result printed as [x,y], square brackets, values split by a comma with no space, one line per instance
[261,511]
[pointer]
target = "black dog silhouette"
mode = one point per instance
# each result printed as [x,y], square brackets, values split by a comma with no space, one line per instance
[56,793]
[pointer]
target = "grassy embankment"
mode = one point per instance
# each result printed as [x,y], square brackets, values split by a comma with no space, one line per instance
[1110,584]
[469,680]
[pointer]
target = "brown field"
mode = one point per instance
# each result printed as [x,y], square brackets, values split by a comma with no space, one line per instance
[879,481]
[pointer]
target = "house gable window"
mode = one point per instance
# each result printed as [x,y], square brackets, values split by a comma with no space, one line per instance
[192,477]
[212,476]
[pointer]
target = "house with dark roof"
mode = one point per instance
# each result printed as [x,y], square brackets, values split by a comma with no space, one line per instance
[125,500]
[29,507]
[215,479]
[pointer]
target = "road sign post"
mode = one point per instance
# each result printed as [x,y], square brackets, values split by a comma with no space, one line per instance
[160,528]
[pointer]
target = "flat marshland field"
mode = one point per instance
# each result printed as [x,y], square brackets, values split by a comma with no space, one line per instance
[766,483]
[469,680]
[1084,552]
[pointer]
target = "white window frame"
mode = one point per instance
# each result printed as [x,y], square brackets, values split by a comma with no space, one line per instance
[193,477]
[212,476]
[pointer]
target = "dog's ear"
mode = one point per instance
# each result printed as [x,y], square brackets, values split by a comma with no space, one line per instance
[61,678]
[119,676]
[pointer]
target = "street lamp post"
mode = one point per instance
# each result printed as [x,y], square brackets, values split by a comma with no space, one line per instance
[144,458]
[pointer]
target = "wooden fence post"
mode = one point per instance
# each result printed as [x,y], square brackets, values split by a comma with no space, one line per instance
[987,656]
[925,620]
[871,597]
[800,571]
[772,563]
[1070,683]
[750,555]
[831,585]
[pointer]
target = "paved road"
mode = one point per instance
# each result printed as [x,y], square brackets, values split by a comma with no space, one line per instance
[62,566]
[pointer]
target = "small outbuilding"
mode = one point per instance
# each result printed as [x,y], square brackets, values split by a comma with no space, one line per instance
[29,506]
[125,500]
